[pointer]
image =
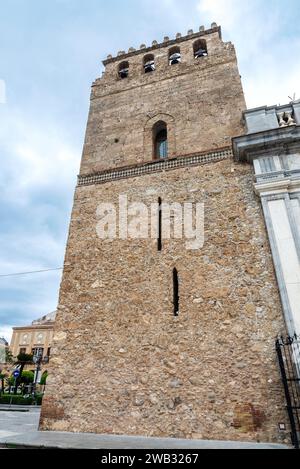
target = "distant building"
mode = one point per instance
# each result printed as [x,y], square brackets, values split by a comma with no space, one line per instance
[35,338]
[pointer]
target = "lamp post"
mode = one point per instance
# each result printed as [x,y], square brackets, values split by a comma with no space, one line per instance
[37,360]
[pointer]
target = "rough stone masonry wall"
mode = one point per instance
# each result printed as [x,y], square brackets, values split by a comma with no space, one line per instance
[123,364]
[201,100]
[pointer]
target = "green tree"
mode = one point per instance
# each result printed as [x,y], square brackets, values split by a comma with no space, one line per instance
[2,379]
[44,378]
[10,381]
[9,356]
[22,359]
[27,377]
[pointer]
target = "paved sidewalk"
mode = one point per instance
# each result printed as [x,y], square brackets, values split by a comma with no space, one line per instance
[21,429]
[91,441]
[17,408]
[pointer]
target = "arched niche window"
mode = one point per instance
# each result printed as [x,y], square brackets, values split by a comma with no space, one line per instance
[174,56]
[149,63]
[160,140]
[200,49]
[123,70]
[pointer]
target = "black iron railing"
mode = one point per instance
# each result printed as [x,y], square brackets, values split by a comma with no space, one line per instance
[288,352]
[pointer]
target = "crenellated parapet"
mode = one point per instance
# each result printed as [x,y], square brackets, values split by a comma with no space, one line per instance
[170,56]
[167,42]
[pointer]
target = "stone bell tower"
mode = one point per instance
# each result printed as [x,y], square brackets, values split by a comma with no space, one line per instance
[153,338]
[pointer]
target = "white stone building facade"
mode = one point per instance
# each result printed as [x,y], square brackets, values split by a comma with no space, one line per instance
[272,146]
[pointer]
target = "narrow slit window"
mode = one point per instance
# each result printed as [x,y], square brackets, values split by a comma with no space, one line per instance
[159,238]
[175,292]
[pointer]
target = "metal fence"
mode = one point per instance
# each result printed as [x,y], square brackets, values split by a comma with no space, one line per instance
[288,352]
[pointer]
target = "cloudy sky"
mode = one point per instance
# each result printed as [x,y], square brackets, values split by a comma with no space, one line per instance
[50,52]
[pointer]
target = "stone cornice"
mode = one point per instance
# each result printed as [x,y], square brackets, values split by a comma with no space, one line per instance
[246,147]
[32,328]
[155,166]
[281,186]
[275,107]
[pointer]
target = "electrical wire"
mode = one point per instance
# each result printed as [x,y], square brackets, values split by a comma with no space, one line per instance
[29,273]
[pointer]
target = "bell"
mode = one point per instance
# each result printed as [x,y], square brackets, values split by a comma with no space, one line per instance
[175,59]
[201,53]
[124,73]
[149,67]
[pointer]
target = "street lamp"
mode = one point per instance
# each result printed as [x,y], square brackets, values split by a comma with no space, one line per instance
[38,360]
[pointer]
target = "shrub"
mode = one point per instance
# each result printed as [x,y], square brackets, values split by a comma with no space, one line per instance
[44,378]
[15,400]
[20,400]
[27,377]
[25,358]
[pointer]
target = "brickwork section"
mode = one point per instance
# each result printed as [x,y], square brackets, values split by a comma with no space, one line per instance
[154,166]
[210,373]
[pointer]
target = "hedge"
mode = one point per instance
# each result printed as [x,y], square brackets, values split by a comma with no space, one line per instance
[20,400]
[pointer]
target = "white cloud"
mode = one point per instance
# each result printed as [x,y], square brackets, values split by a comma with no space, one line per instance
[37,180]
[225,12]
[37,156]
[34,248]
[6,332]
[2,92]
[265,54]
